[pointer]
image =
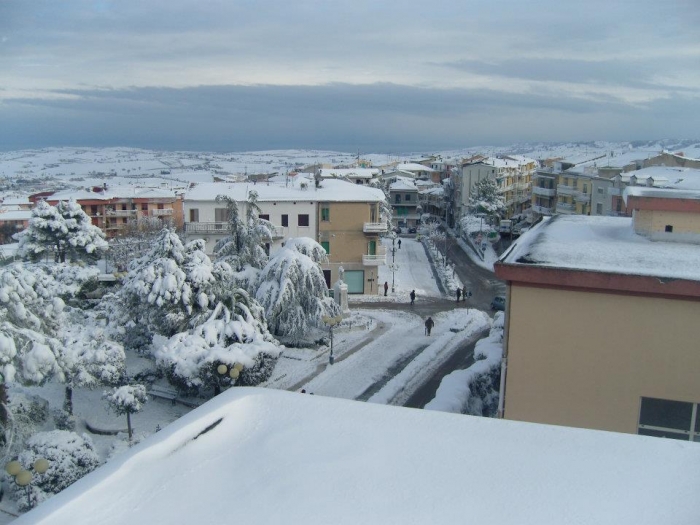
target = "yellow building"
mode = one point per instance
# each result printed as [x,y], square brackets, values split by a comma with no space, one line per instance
[602,322]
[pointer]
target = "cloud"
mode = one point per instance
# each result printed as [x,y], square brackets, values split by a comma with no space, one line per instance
[372,118]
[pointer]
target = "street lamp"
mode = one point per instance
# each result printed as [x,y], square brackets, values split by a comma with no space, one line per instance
[331,322]
[227,373]
[23,477]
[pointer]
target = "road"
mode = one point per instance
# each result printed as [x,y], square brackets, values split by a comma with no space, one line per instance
[484,286]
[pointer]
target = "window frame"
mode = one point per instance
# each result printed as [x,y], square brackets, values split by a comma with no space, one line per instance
[300,220]
[692,434]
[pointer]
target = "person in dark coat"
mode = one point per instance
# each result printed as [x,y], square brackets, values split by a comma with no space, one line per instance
[386,287]
[399,244]
[429,323]
[459,294]
[413,296]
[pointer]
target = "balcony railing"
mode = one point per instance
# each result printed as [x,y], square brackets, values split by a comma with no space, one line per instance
[206,227]
[566,190]
[161,213]
[544,210]
[378,259]
[121,213]
[565,208]
[374,227]
[544,192]
[583,197]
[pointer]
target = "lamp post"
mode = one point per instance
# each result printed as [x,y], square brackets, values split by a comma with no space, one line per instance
[227,373]
[331,322]
[393,261]
[23,477]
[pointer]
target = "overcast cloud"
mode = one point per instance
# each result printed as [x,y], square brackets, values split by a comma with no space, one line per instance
[387,76]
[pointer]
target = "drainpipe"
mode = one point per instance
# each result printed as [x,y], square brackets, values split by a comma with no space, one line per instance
[504,359]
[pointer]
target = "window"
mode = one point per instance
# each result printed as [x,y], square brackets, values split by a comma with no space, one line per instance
[161,207]
[408,197]
[144,206]
[600,190]
[264,216]
[303,220]
[326,245]
[669,419]
[669,228]
[325,214]
[220,217]
[285,220]
[397,199]
[93,210]
[194,215]
[585,188]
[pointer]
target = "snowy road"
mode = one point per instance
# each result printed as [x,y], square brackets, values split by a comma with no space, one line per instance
[414,271]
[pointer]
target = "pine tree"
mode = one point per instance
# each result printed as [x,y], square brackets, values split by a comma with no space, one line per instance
[64,231]
[244,247]
[169,285]
[485,198]
[293,291]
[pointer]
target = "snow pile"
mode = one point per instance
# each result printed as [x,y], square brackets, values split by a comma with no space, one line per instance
[471,391]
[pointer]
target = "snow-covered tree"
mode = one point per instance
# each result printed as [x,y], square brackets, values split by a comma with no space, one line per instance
[293,291]
[244,246]
[134,241]
[61,231]
[88,358]
[484,198]
[69,456]
[234,335]
[127,399]
[168,286]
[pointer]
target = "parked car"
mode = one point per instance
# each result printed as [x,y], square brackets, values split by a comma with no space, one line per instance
[498,303]
[397,230]
[413,230]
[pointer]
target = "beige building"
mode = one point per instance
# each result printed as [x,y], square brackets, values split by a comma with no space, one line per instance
[601,322]
[344,217]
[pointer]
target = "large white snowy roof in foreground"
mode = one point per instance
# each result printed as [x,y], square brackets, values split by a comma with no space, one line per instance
[603,244]
[262,456]
[331,190]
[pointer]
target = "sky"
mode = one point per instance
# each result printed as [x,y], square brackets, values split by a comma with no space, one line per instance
[390,77]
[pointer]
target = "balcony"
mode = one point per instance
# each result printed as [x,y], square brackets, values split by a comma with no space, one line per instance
[583,197]
[564,208]
[278,232]
[161,213]
[379,259]
[544,210]
[544,192]
[121,213]
[374,227]
[206,227]
[562,189]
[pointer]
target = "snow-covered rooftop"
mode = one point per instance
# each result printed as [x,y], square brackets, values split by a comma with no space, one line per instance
[620,159]
[412,166]
[331,190]
[256,455]
[403,185]
[15,215]
[663,193]
[355,173]
[603,244]
[114,192]
[674,177]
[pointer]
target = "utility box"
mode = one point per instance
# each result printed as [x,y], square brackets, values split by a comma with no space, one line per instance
[505,226]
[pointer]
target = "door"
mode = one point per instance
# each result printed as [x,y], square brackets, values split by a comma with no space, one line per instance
[355,279]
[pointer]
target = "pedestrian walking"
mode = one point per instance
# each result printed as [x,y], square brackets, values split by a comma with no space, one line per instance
[399,244]
[459,294]
[429,323]
[386,287]
[413,297]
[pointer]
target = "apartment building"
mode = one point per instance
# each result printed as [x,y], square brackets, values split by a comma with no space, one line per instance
[345,218]
[404,199]
[601,319]
[111,208]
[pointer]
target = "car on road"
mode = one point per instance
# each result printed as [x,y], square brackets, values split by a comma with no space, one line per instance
[413,230]
[498,303]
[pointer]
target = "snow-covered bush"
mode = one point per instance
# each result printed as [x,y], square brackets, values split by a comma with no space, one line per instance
[293,290]
[127,399]
[70,457]
[475,390]
[485,198]
[231,335]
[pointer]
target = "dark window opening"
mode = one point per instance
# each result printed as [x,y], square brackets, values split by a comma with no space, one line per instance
[303,220]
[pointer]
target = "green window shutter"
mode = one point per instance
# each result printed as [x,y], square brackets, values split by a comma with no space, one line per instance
[326,245]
